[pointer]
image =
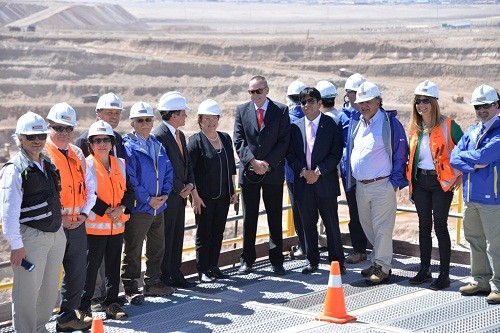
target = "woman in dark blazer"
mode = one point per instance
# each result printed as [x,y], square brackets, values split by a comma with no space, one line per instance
[213,163]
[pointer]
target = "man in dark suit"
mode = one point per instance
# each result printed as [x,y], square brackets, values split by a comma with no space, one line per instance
[261,137]
[172,107]
[314,153]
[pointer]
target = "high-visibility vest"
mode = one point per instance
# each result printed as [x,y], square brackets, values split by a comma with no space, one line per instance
[110,188]
[72,171]
[441,144]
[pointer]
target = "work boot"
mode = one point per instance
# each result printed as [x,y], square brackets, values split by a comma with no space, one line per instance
[472,289]
[367,271]
[114,311]
[442,282]
[355,257]
[423,275]
[493,297]
[73,325]
[158,289]
[84,315]
[134,296]
[378,276]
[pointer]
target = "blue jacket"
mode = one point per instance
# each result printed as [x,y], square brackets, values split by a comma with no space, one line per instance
[148,178]
[395,142]
[480,185]
[295,114]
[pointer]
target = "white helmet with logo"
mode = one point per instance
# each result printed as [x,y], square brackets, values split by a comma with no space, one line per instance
[141,109]
[366,92]
[427,88]
[31,123]
[484,94]
[326,89]
[354,81]
[62,113]
[295,88]
[100,127]
[172,101]
[209,107]
[109,101]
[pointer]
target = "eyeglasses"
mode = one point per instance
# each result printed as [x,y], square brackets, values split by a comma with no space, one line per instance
[257,91]
[98,141]
[60,129]
[141,120]
[422,101]
[33,137]
[309,101]
[483,106]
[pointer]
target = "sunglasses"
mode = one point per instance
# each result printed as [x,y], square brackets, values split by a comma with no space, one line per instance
[141,120]
[98,141]
[33,137]
[309,101]
[257,91]
[484,106]
[422,101]
[60,129]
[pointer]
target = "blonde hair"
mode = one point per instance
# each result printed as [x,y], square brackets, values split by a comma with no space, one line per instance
[416,120]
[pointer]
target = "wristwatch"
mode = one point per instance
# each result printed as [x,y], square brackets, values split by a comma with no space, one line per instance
[317,171]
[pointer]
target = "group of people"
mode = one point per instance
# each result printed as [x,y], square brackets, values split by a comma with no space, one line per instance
[80,204]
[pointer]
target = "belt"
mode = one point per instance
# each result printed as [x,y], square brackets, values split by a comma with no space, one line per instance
[368,181]
[427,172]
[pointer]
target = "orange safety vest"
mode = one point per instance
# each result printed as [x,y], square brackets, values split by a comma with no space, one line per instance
[110,188]
[441,144]
[72,171]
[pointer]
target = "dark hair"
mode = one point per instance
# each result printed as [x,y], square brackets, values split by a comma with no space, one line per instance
[311,92]
[166,115]
[294,99]
[89,146]
[328,102]
[201,116]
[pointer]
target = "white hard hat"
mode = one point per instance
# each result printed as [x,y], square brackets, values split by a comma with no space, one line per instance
[141,109]
[295,88]
[172,101]
[100,127]
[109,101]
[31,123]
[209,107]
[484,94]
[326,89]
[427,88]
[354,81]
[62,113]
[366,92]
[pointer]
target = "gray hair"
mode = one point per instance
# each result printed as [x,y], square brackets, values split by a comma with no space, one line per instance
[15,136]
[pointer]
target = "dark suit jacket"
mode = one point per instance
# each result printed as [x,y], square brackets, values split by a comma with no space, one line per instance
[270,144]
[326,154]
[183,171]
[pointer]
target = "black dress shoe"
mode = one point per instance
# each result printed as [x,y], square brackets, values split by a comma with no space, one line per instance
[245,269]
[217,273]
[279,270]
[183,283]
[205,277]
[309,269]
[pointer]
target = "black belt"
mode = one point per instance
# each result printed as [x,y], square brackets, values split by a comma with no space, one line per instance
[427,172]
[368,181]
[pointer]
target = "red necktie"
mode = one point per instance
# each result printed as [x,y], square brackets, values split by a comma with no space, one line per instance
[260,117]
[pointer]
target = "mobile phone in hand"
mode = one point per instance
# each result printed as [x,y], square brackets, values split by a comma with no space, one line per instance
[27,265]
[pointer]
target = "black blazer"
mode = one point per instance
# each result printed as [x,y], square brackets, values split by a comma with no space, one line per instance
[183,171]
[206,167]
[326,155]
[270,144]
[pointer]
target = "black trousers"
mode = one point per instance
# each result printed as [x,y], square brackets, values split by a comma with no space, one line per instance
[309,206]
[297,220]
[174,239]
[431,201]
[356,233]
[272,196]
[210,232]
[108,247]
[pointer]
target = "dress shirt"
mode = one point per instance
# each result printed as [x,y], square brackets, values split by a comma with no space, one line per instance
[315,121]
[171,128]
[425,160]
[369,158]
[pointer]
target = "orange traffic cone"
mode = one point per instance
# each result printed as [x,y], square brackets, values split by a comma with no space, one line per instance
[334,310]
[97,326]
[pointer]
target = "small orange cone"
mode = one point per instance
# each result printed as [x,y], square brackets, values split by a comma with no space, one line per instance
[334,309]
[97,326]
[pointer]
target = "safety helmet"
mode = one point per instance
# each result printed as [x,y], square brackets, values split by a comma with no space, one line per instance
[31,123]
[354,81]
[109,101]
[209,107]
[62,113]
[427,88]
[172,101]
[326,89]
[484,94]
[295,88]
[366,92]
[141,109]
[100,127]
